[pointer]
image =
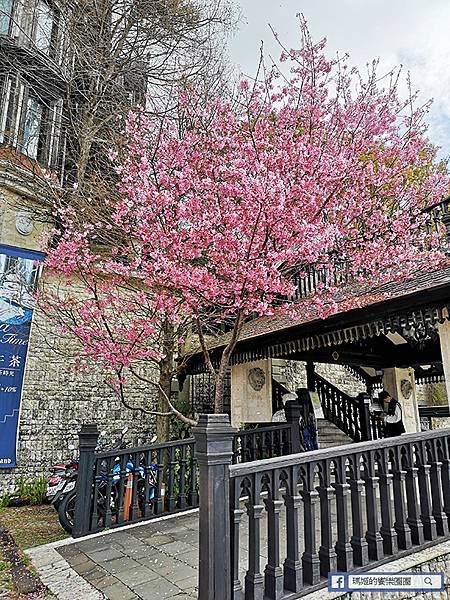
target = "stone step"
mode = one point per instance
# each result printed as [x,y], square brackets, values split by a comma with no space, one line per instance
[329,435]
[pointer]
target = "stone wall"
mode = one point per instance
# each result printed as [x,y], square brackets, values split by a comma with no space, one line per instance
[58,398]
[294,374]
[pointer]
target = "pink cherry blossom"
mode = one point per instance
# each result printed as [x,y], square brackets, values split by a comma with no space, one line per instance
[326,169]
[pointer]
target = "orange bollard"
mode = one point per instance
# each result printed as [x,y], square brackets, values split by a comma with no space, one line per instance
[127,497]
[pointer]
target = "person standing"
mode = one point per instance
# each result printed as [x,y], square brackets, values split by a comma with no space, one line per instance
[393,416]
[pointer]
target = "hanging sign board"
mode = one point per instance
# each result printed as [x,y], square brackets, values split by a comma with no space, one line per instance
[19,274]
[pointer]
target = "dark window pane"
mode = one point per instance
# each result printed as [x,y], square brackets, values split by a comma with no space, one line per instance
[32,127]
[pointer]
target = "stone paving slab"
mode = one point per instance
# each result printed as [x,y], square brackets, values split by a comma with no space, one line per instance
[156,561]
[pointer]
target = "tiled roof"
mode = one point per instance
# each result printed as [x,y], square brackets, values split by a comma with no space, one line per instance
[368,297]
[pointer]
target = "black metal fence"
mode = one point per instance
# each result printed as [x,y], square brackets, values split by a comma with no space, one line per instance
[124,486]
[302,516]
[132,484]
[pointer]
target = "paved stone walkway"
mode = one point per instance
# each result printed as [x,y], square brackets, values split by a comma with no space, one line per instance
[153,561]
[156,560]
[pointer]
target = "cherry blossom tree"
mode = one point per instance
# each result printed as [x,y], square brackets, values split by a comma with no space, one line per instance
[312,165]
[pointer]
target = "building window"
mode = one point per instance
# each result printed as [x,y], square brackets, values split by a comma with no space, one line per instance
[5,16]
[31,122]
[43,26]
[32,125]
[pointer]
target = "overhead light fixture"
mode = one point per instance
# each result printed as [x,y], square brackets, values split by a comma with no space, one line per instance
[396,338]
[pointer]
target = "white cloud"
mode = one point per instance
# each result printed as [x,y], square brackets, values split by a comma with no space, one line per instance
[413,33]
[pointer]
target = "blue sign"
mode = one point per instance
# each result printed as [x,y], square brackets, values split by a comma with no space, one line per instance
[19,275]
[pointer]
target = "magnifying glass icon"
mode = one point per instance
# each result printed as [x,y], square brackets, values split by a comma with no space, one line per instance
[427,581]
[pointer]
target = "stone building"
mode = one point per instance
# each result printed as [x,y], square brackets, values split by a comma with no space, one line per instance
[34,65]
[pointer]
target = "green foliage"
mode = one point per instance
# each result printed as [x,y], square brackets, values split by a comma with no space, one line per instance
[31,492]
[4,501]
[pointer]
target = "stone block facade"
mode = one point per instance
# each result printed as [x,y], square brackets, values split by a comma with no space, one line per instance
[293,375]
[57,397]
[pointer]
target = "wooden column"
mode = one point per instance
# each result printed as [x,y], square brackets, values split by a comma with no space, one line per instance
[393,382]
[88,438]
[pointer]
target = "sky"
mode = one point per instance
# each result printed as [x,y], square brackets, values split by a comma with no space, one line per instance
[413,33]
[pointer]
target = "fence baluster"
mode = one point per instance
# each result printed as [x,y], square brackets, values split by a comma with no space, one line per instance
[373,535]
[273,573]
[293,577]
[358,540]
[170,499]
[235,519]
[437,494]
[310,558]
[343,548]
[413,520]
[193,492]
[108,493]
[388,533]
[159,499]
[121,491]
[327,554]
[254,581]
[182,478]
[445,471]
[95,496]
[400,503]
[426,516]
[134,510]
[147,502]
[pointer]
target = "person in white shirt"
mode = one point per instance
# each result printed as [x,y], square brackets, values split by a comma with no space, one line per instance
[393,418]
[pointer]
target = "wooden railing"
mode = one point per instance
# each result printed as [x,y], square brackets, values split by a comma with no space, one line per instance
[427,413]
[266,441]
[123,486]
[338,509]
[312,278]
[351,415]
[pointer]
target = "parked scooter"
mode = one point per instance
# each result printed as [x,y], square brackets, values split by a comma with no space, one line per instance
[66,508]
[61,481]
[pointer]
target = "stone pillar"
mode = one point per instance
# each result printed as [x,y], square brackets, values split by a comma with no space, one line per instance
[214,451]
[401,385]
[444,339]
[251,392]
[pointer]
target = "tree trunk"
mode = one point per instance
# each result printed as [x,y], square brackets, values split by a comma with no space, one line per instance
[166,370]
[224,364]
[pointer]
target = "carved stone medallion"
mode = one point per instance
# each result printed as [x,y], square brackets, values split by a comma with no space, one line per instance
[256,378]
[406,388]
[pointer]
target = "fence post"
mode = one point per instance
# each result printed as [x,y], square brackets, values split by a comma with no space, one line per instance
[293,412]
[364,416]
[311,376]
[88,438]
[213,452]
